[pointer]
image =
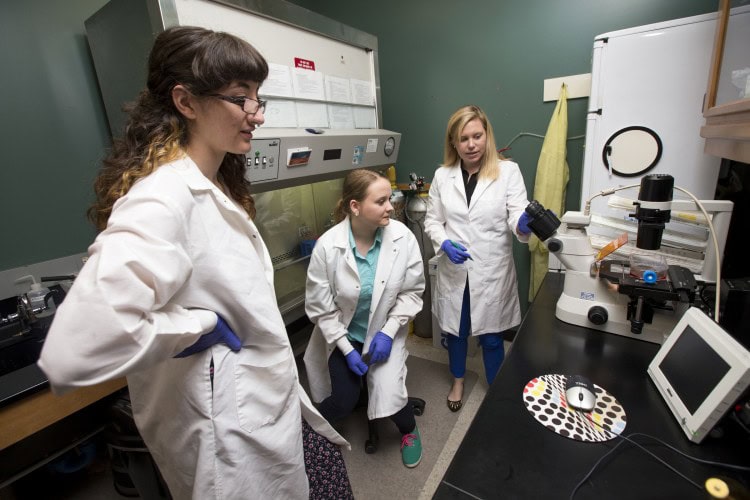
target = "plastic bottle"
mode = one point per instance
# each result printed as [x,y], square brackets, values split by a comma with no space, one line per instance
[36,296]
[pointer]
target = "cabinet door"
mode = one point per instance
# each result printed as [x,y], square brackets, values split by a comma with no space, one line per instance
[727,106]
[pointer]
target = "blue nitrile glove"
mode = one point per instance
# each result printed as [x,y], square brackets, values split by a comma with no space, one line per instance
[523,223]
[456,252]
[221,333]
[355,363]
[380,348]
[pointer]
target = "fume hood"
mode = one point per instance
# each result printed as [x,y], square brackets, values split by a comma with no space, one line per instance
[323,91]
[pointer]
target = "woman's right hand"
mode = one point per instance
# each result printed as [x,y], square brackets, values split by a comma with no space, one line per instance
[355,363]
[456,252]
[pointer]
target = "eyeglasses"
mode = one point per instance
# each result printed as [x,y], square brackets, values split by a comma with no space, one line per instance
[248,104]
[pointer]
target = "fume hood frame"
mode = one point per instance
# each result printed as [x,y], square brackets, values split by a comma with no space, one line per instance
[122,32]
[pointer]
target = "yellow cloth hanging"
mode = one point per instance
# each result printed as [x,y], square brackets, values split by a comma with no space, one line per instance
[552,176]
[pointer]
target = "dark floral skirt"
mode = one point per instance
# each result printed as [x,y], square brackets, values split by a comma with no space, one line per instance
[324,464]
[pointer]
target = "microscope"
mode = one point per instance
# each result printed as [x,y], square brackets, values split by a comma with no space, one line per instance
[640,297]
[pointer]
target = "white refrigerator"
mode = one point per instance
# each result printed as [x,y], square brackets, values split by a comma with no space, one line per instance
[645,114]
[653,77]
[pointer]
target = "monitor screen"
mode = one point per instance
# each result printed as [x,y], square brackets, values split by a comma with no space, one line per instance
[679,367]
[700,371]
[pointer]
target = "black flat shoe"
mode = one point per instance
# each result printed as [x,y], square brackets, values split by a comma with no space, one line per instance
[454,406]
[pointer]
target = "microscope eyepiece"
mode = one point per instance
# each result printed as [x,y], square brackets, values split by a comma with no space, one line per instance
[543,222]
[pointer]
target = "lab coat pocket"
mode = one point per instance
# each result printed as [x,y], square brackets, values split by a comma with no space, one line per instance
[263,392]
[494,280]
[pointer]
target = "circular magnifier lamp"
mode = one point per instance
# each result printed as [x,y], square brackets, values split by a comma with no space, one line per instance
[632,151]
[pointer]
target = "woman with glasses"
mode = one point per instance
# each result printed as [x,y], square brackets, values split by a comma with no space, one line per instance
[178,294]
[477,203]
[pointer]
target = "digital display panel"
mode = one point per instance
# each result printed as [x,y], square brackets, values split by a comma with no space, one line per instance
[693,369]
[331,154]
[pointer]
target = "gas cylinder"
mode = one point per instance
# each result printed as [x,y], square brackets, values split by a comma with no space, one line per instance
[416,209]
[398,200]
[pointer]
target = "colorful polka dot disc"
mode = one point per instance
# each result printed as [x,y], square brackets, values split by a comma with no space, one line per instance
[544,397]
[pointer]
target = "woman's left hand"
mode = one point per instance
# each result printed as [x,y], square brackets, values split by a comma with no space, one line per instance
[380,348]
[523,223]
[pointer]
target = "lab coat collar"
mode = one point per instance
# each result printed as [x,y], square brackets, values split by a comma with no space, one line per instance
[341,242]
[193,176]
[458,183]
[458,180]
[197,182]
[353,244]
[342,230]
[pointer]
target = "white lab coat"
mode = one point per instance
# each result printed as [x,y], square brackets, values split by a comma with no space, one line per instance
[331,298]
[485,229]
[175,249]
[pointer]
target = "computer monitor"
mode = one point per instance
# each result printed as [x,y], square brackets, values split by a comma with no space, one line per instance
[700,371]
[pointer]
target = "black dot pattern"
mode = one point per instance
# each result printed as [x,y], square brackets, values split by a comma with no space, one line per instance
[544,398]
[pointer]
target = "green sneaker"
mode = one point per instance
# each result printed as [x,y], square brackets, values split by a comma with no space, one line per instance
[411,448]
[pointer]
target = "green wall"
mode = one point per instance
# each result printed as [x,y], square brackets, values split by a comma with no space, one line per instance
[434,56]
[53,129]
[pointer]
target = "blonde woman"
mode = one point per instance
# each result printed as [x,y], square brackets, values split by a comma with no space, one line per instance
[477,202]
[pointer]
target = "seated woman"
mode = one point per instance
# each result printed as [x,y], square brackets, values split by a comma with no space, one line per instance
[364,285]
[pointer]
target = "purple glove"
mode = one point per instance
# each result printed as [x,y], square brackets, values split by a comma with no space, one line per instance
[220,334]
[355,363]
[380,348]
[456,252]
[523,223]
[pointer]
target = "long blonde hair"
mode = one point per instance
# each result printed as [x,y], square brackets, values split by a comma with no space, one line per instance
[456,123]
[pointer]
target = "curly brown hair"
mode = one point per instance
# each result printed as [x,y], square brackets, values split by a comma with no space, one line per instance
[156,133]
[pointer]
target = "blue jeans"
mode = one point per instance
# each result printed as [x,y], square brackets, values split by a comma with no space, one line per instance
[493,350]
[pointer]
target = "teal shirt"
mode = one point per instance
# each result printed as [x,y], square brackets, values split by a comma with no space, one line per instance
[366,266]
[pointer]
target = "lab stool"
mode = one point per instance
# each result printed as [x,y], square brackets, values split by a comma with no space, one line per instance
[373,439]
